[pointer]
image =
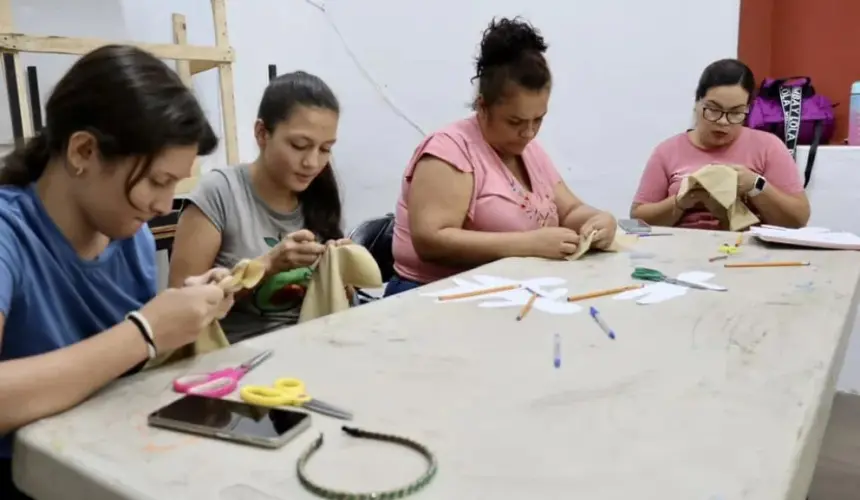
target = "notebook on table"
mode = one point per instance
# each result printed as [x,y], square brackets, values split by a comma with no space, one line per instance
[811,237]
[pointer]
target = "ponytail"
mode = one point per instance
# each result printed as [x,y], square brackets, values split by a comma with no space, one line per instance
[321,206]
[26,163]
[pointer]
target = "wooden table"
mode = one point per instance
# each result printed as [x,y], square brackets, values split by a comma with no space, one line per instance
[711,396]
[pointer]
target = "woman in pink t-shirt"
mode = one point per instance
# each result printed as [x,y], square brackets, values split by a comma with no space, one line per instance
[768,178]
[482,189]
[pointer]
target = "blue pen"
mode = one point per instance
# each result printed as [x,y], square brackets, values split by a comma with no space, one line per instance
[556,350]
[603,326]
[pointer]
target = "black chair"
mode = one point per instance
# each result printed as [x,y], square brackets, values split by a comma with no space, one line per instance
[376,236]
[164,227]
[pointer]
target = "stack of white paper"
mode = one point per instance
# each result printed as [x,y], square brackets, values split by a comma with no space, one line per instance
[813,237]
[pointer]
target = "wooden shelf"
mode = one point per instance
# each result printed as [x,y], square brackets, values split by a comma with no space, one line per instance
[190,60]
[197,67]
[18,42]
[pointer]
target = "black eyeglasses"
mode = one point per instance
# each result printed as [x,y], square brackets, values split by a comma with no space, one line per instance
[733,117]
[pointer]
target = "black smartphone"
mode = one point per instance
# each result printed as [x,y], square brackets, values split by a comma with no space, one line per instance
[231,420]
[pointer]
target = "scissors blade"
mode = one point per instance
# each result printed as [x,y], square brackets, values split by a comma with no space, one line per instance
[256,360]
[327,409]
[713,287]
[697,286]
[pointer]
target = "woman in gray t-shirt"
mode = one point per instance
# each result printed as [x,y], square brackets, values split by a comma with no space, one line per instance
[284,206]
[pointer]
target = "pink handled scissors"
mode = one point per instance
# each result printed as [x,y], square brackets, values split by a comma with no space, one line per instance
[219,383]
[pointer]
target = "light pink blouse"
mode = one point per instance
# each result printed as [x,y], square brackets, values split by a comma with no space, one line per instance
[499,202]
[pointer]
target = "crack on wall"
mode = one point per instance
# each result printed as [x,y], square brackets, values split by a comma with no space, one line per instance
[320,6]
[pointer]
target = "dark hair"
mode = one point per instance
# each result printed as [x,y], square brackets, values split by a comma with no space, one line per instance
[321,205]
[512,51]
[134,105]
[726,72]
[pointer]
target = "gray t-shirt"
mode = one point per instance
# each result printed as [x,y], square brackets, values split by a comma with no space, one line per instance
[249,229]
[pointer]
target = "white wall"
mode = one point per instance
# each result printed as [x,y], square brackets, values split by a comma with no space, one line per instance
[397,80]
[93,18]
[613,99]
[150,21]
[833,193]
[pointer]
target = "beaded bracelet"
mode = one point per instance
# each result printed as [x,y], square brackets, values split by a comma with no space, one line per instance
[407,490]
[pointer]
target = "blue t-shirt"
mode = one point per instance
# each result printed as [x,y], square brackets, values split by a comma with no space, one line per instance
[50,297]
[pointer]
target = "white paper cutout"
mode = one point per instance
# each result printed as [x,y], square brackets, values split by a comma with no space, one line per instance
[550,300]
[659,292]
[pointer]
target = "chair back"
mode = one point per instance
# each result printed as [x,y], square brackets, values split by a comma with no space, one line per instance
[163,227]
[376,236]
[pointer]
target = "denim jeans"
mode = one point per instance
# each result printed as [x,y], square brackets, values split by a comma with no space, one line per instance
[397,285]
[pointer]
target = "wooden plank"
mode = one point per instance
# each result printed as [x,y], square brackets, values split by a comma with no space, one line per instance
[180,37]
[7,23]
[201,66]
[164,230]
[183,68]
[225,84]
[80,46]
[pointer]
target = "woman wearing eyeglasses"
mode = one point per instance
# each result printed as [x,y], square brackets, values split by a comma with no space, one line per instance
[768,178]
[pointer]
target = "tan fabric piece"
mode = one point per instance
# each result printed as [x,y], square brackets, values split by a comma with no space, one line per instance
[339,267]
[211,339]
[721,183]
[245,274]
[326,294]
[583,247]
[621,242]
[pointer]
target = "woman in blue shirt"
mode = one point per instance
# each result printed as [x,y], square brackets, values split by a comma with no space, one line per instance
[78,299]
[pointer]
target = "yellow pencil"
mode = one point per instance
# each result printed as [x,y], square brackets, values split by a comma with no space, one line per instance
[603,293]
[475,293]
[527,307]
[766,264]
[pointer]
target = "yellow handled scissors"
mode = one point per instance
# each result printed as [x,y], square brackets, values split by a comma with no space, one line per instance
[289,392]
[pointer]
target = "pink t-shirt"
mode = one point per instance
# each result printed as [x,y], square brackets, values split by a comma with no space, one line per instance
[499,202]
[673,159]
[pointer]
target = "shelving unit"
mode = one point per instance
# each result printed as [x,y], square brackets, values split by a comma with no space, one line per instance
[191,60]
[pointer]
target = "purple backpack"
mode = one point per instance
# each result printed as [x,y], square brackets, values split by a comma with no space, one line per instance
[790,109]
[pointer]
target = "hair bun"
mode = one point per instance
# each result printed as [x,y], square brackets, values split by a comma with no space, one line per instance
[506,40]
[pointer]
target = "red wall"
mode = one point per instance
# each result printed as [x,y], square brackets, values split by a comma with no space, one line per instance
[817,38]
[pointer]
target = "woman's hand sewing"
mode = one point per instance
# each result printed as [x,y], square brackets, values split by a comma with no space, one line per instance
[695,197]
[222,277]
[178,315]
[746,179]
[298,249]
[339,243]
[604,225]
[553,242]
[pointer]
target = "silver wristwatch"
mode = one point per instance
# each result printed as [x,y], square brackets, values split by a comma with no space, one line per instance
[758,187]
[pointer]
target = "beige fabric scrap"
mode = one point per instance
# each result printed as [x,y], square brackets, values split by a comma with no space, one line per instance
[721,183]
